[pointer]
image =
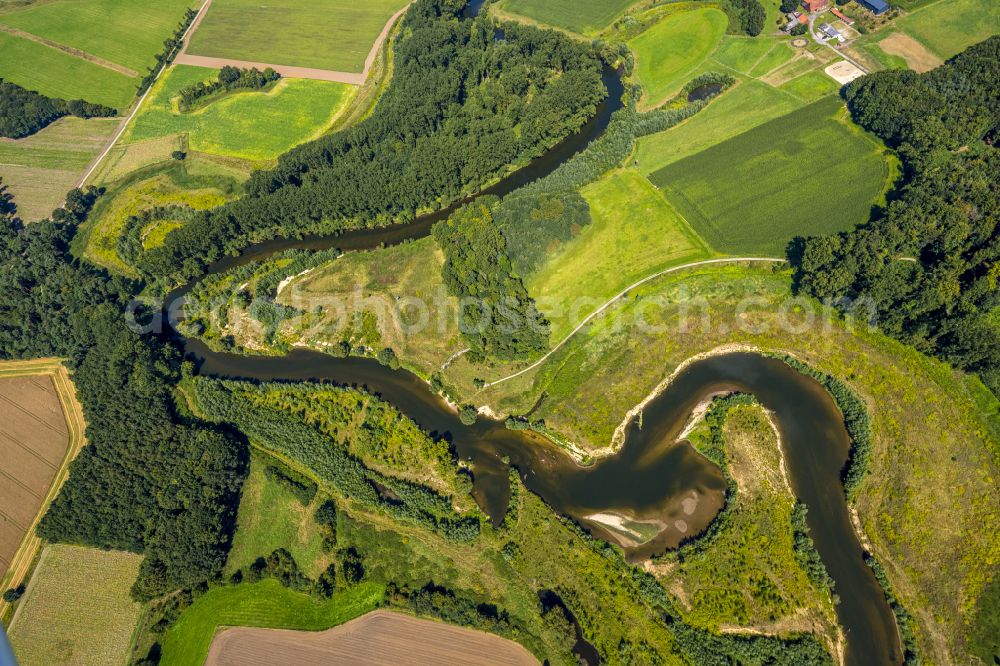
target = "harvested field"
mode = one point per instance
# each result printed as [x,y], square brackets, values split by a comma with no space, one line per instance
[33,439]
[380,637]
[917,56]
[41,430]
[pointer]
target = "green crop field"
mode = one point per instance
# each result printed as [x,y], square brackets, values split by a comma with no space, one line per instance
[747,105]
[58,74]
[263,604]
[42,168]
[249,125]
[77,609]
[949,26]
[811,85]
[583,16]
[634,233]
[667,53]
[125,32]
[806,173]
[270,517]
[325,34]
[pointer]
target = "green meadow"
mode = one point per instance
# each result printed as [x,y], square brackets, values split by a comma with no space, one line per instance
[811,85]
[949,27]
[264,604]
[249,125]
[57,74]
[125,32]
[667,53]
[807,173]
[325,34]
[583,16]
[634,232]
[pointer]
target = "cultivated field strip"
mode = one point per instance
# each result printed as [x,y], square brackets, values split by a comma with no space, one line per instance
[41,430]
[380,637]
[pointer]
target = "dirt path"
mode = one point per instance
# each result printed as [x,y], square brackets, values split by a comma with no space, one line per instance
[623,292]
[22,560]
[352,78]
[76,53]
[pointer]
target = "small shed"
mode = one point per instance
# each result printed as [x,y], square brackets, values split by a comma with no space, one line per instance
[875,6]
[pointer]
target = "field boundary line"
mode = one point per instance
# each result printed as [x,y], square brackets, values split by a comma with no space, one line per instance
[21,562]
[290,71]
[135,108]
[69,50]
[624,292]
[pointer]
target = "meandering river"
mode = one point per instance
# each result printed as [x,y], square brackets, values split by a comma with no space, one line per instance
[659,484]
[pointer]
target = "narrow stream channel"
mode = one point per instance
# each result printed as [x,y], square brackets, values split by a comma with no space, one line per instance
[653,479]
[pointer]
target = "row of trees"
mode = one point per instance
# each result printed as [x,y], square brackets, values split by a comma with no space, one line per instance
[171,46]
[24,112]
[461,109]
[926,267]
[229,79]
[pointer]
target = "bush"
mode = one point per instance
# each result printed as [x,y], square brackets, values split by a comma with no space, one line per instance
[178,155]
[468,415]
[14,593]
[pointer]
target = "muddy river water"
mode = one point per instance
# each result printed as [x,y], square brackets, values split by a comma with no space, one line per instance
[662,486]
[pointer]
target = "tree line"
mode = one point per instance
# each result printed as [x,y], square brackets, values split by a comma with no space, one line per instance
[24,112]
[462,108]
[924,268]
[229,79]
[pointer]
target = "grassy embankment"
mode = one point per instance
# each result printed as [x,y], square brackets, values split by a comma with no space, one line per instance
[324,34]
[127,34]
[936,452]
[41,168]
[77,608]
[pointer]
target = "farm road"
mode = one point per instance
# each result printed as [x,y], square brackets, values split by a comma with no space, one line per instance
[353,78]
[623,292]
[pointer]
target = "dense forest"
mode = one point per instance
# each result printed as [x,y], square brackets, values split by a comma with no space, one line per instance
[496,317]
[24,112]
[148,481]
[461,109]
[926,268]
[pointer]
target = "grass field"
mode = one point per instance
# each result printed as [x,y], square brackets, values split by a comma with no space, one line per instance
[325,34]
[42,168]
[380,277]
[77,609]
[936,431]
[742,53]
[58,74]
[124,32]
[634,233]
[248,125]
[806,173]
[948,27]
[811,86]
[583,16]
[381,636]
[264,604]
[749,576]
[270,517]
[668,52]
[172,183]
[743,107]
